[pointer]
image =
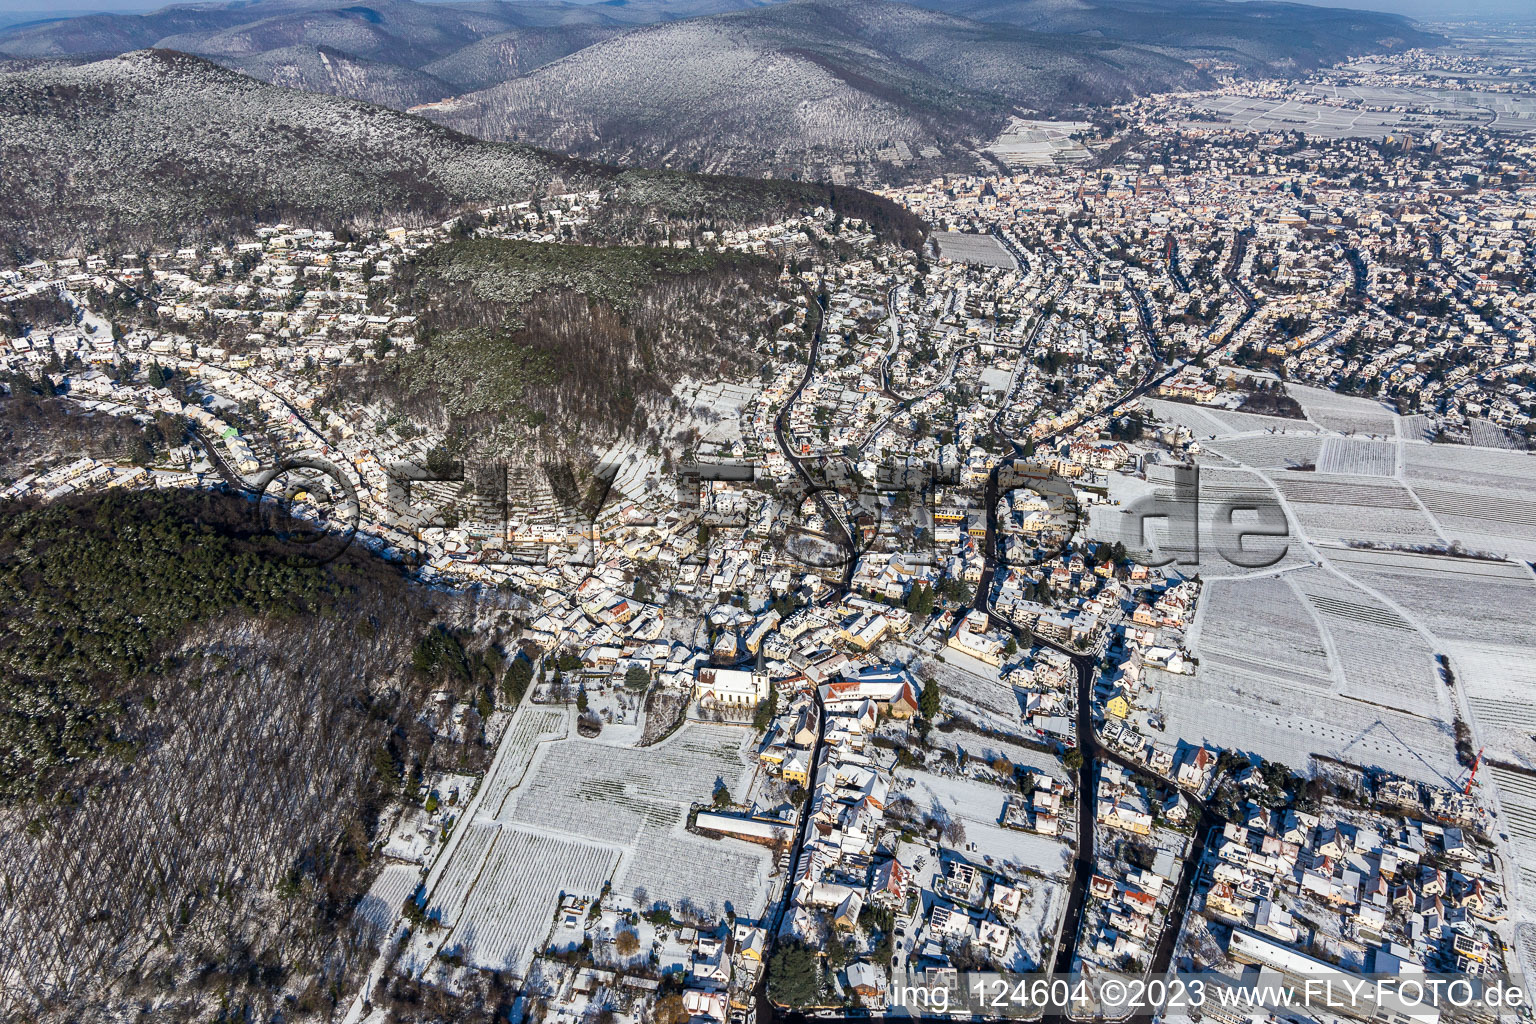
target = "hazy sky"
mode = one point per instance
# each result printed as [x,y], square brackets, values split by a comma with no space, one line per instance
[1431,10]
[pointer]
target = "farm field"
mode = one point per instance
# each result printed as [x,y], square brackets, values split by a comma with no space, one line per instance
[1455,598]
[508,911]
[1309,662]
[1517,802]
[636,801]
[1287,724]
[1382,658]
[1344,413]
[1270,451]
[569,815]
[1234,422]
[531,725]
[1357,457]
[1458,466]
[385,897]
[1484,519]
[1222,491]
[981,250]
[1334,508]
[1497,683]
[1262,627]
[990,748]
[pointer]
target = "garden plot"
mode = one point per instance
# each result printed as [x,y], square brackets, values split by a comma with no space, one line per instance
[510,909]
[1343,413]
[979,808]
[1288,724]
[1043,903]
[531,726]
[1383,659]
[1331,508]
[385,897]
[1261,628]
[1461,599]
[637,801]
[971,688]
[1270,451]
[1357,457]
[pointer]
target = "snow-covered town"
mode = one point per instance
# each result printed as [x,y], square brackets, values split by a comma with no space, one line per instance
[1121,583]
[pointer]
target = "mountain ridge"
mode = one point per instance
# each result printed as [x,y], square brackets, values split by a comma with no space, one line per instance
[157,145]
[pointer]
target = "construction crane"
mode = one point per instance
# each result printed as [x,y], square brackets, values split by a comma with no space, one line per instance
[1477,763]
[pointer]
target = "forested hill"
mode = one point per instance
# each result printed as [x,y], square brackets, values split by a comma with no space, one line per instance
[156,147]
[200,742]
[552,345]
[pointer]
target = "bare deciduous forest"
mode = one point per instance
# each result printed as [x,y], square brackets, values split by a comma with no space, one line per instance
[190,814]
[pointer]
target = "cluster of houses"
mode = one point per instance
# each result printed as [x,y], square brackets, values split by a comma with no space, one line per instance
[1422,886]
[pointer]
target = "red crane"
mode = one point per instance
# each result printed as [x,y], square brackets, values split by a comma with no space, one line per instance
[1476,764]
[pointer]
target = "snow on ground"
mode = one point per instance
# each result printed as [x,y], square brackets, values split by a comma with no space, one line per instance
[972,688]
[516,893]
[1370,699]
[1271,451]
[564,815]
[1356,456]
[531,726]
[636,801]
[1206,423]
[713,409]
[980,250]
[1343,413]
[1461,598]
[979,807]
[1382,658]
[387,895]
[1262,627]
[1285,724]
[1498,682]
[1343,508]
[990,748]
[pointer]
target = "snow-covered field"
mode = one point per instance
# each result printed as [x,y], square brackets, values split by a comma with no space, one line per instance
[1334,508]
[1383,659]
[565,815]
[979,807]
[636,801]
[981,250]
[1343,413]
[1309,662]
[1286,724]
[1205,422]
[1270,451]
[509,910]
[387,895]
[1456,598]
[1357,456]
[1262,627]
[531,725]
